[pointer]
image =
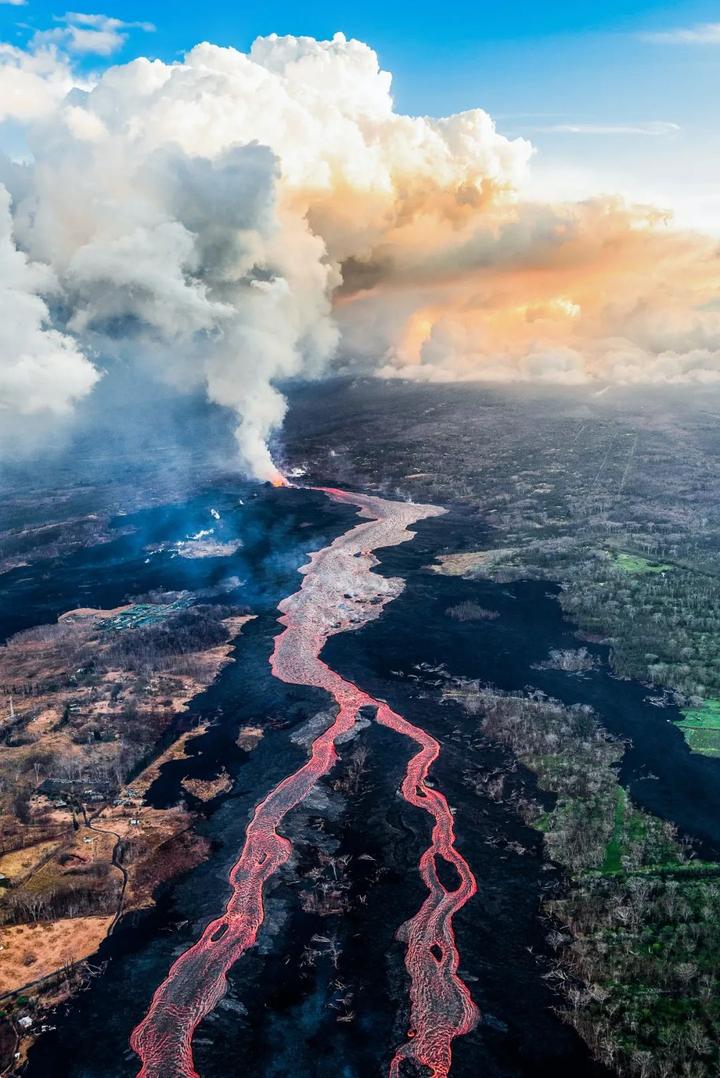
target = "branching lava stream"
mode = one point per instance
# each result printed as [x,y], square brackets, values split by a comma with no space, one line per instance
[339,592]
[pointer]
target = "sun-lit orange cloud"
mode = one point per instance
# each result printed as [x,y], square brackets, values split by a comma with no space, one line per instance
[455,277]
[593,290]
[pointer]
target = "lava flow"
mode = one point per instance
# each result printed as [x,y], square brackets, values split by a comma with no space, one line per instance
[339,592]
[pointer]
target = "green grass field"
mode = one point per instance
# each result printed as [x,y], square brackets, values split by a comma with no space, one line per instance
[633,563]
[613,853]
[701,727]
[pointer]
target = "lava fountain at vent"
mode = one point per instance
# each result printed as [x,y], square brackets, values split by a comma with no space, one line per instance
[277,479]
[440,1005]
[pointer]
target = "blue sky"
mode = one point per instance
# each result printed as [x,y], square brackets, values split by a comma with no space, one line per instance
[607,106]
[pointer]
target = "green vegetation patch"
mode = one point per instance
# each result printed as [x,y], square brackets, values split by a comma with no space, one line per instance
[633,563]
[707,716]
[649,949]
[644,917]
[704,741]
[639,844]
[664,628]
[613,850]
[701,727]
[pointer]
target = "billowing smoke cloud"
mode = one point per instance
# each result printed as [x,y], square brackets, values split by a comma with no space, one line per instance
[570,294]
[41,368]
[235,219]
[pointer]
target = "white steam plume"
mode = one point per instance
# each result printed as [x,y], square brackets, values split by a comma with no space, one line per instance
[41,368]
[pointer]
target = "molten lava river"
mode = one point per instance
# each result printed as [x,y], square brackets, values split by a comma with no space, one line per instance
[440,1005]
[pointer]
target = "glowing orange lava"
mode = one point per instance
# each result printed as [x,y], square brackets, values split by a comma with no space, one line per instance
[440,1004]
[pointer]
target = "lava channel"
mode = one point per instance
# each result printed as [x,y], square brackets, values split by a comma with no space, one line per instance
[339,592]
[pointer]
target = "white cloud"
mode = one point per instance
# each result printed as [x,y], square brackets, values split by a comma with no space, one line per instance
[707,33]
[32,83]
[656,128]
[100,35]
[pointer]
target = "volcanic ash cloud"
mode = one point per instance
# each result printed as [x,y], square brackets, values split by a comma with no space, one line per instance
[235,220]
